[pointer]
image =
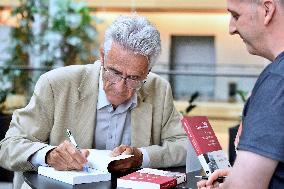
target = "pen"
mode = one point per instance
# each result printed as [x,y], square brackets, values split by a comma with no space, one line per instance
[219,179]
[72,140]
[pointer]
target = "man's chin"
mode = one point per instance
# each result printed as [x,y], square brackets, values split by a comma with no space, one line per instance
[116,102]
[251,50]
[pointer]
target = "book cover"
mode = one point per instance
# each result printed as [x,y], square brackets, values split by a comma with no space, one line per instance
[180,177]
[139,180]
[205,143]
[151,178]
[98,161]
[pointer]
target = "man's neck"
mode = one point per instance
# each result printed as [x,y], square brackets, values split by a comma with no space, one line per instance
[275,35]
[114,106]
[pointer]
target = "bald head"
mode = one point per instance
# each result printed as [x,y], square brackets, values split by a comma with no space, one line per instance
[280,2]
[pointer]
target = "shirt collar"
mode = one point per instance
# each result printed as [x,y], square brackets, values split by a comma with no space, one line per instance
[103,101]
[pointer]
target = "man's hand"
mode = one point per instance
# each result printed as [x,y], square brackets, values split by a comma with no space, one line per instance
[211,182]
[67,157]
[124,164]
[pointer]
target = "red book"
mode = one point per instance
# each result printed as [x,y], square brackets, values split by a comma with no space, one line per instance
[205,143]
[140,180]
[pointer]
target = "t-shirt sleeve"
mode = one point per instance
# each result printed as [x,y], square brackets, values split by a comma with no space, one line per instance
[263,121]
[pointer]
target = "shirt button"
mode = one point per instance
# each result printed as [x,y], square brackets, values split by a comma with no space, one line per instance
[110,136]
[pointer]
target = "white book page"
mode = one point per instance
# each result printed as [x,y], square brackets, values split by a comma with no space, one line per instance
[74,177]
[99,159]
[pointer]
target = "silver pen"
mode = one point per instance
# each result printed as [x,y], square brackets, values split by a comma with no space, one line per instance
[72,140]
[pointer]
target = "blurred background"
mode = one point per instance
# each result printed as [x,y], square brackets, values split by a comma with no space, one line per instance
[209,70]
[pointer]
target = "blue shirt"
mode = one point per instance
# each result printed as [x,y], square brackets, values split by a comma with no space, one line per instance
[263,119]
[113,126]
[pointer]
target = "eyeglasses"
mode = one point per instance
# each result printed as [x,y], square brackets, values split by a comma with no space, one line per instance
[114,77]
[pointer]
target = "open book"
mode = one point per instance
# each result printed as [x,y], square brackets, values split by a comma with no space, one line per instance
[205,143]
[98,161]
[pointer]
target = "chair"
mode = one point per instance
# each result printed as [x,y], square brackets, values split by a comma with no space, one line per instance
[232,135]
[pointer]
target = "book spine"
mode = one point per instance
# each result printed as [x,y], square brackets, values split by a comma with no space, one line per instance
[191,137]
[169,184]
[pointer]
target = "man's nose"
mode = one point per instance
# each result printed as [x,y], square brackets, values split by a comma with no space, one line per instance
[121,85]
[232,27]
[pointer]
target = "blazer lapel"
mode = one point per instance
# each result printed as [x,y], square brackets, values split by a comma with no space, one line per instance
[141,123]
[84,115]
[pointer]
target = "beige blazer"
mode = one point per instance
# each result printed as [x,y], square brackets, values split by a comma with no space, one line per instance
[67,97]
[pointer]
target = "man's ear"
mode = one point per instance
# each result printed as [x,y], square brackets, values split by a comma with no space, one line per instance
[102,55]
[269,8]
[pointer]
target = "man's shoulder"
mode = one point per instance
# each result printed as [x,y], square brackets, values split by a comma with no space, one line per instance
[155,79]
[277,66]
[67,71]
[155,86]
[70,73]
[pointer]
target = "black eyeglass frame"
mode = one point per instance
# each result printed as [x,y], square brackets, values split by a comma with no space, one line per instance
[114,78]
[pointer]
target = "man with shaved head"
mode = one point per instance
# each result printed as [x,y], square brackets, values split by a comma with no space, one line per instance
[260,158]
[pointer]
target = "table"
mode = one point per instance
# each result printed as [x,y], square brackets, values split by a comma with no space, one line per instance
[36,181]
[6,176]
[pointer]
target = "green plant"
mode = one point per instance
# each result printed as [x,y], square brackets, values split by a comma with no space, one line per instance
[49,33]
[5,88]
[243,95]
[191,104]
[52,32]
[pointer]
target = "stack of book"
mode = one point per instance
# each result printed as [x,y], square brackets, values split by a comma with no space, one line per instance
[98,161]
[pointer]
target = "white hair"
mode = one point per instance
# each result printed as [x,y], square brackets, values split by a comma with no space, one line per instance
[134,33]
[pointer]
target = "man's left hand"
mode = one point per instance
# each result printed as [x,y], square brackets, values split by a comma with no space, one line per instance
[123,165]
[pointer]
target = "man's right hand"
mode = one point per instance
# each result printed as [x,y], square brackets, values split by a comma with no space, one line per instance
[211,182]
[67,157]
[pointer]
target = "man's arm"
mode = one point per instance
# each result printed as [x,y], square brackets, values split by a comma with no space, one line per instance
[29,129]
[250,171]
[171,148]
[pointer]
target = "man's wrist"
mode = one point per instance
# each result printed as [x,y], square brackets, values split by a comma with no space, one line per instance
[47,155]
[145,159]
[140,158]
[39,158]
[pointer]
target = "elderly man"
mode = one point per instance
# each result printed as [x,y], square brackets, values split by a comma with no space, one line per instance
[115,103]
[260,159]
